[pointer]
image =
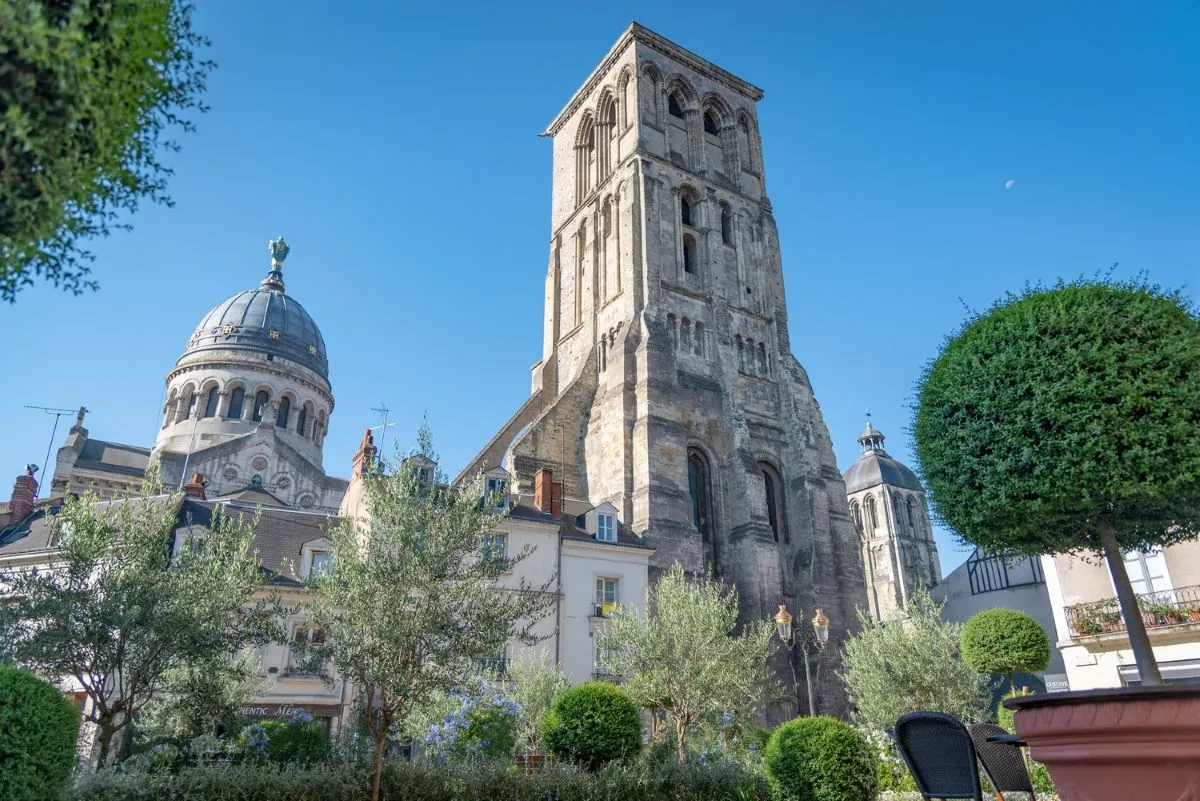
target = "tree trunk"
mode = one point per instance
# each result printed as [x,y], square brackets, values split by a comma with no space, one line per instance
[680,736]
[380,744]
[103,742]
[1139,641]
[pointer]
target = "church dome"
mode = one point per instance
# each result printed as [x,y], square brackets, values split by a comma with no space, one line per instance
[875,467]
[264,320]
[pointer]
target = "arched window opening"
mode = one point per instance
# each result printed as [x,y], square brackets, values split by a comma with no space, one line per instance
[170,410]
[193,398]
[685,211]
[871,513]
[763,369]
[236,399]
[912,517]
[210,405]
[744,153]
[856,515]
[626,99]
[699,338]
[774,501]
[700,489]
[689,253]
[302,420]
[710,124]
[260,403]
[726,225]
[675,105]
[285,411]
[897,509]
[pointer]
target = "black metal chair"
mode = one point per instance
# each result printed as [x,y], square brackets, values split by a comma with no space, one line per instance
[940,755]
[1002,763]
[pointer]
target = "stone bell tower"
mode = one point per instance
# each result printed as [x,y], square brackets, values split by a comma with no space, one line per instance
[666,384]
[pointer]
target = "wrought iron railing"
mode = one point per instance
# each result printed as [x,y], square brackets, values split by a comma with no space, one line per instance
[1158,609]
[991,573]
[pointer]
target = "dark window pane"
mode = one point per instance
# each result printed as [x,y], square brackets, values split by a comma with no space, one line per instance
[235,404]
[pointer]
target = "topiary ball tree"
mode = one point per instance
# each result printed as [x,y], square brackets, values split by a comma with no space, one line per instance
[1067,419]
[592,724]
[37,737]
[1004,641]
[819,759]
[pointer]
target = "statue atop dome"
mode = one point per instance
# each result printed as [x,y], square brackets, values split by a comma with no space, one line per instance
[279,252]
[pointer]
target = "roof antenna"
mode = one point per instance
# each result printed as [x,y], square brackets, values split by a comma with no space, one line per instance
[382,427]
[81,411]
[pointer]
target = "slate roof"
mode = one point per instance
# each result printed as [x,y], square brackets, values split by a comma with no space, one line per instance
[571,527]
[875,468]
[114,457]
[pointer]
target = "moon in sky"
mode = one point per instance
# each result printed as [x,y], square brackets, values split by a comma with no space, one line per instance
[1009,183]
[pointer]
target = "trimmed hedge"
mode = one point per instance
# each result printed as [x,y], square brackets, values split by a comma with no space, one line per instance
[37,737]
[820,759]
[423,782]
[592,724]
[1004,641]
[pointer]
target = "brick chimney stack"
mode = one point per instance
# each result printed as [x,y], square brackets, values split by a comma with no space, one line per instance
[547,493]
[24,495]
[365,456]
[195,488]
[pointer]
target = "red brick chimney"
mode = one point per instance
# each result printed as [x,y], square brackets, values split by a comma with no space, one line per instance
[24,494]
[547,493]
[365,455]
[195,488]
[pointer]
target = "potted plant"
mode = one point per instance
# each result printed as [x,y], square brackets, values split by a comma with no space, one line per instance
[1193,613]
[1065,420]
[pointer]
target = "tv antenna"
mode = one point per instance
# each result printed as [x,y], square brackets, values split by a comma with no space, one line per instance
[382,428]
[58,413]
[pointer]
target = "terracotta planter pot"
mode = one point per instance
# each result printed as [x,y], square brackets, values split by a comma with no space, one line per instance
[1135,744]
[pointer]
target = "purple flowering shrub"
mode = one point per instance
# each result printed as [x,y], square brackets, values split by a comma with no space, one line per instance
[482,727]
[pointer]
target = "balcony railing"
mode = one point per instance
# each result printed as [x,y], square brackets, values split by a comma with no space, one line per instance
[1158,609]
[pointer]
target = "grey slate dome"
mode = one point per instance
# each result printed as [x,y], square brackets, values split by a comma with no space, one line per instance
[264,320]
[875,467]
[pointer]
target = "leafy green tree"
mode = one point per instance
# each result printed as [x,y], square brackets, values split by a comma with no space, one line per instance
[122,605]
[90,91]
[1065,420]
[913,663]
[535,683]
[410,604]
[201,697]
[37,737]
[682,658]
[1005,641]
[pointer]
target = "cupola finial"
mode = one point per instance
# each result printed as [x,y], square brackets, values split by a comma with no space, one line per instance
[279,250]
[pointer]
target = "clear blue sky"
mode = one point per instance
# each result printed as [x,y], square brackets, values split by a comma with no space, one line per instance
[395,146]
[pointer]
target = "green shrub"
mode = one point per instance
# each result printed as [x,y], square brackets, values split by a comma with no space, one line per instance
[593,724]
[1004,641]
[891,774]
[301,739]
[425,782]
[37,737]
[820,759]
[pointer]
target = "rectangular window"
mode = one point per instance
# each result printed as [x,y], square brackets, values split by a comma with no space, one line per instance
[607,596]
[303,659]
[600,667]
[496,664]
[1147,571]
[495,549]
[320,563]
[606,528]
[497,488]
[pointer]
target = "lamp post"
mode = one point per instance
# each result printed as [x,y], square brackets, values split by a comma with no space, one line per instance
[814,634]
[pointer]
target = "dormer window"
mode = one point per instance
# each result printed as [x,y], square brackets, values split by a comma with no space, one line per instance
[497,489]
[316,559]
[320,564]
[606,527]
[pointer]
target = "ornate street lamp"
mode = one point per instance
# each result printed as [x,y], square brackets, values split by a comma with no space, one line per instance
[813,634]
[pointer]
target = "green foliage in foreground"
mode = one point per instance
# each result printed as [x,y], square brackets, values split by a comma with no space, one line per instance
[593,724]
[37,737]
[1005,641]
[820,759]
[909,664]
[422,782]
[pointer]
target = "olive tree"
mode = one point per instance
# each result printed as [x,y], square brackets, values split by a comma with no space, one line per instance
[1067,420]
[90,91]
[1005,641]
[122,605]
[416,596]
[684,657]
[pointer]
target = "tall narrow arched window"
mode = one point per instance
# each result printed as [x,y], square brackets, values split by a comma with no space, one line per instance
[170,410]
[689,253]
[872,515]
[897,509]
[685,211]
[726,225]
[912,517]
[210,404]
[710,124]
[585,159]
[771,488]
[675,105]
[856,515]
[302,420]
[236,399]
[285,411]
[193,397]
[700,489]
[260,403]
